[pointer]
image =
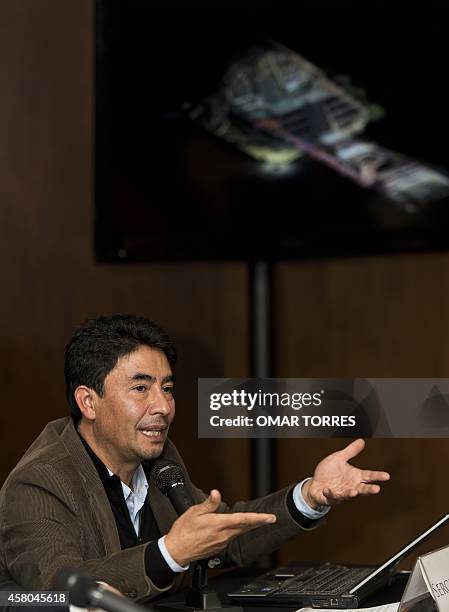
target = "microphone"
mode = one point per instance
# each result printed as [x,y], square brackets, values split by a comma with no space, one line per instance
[170,481]
[84,592]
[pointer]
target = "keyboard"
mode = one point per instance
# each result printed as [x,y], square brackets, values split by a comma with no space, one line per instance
[325,586]
[329,579]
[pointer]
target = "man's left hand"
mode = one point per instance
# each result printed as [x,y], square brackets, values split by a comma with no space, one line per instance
[335,480]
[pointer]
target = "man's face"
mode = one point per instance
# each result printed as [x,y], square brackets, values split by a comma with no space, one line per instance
[133,416]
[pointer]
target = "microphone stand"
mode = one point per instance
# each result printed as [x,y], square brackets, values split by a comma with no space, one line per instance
[200,596]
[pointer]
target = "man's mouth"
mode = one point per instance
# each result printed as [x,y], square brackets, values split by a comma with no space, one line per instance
[153,432]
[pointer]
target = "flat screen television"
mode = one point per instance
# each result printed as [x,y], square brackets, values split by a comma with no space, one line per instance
[269,130]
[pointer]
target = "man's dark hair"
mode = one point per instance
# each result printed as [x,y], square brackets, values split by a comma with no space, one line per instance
[98,344]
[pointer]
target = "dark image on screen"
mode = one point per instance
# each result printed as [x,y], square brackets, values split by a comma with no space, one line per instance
[269,130]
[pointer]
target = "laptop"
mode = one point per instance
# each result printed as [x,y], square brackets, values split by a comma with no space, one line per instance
[326,586]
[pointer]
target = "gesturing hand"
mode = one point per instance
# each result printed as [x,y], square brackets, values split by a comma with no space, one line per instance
[335,480]
[200,532]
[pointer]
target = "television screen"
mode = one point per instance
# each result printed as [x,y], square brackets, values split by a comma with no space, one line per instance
[269,130]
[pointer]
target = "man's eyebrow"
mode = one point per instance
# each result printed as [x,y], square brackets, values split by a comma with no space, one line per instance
[151,379]
[142,376]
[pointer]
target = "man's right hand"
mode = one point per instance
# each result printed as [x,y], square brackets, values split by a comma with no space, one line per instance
[201,532]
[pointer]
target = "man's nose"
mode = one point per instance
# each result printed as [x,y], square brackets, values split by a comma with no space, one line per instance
[159,401]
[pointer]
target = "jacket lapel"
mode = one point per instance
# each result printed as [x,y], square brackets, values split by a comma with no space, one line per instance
[93,488]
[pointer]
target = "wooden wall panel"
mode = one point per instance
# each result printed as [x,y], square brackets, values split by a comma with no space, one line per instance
[368,317]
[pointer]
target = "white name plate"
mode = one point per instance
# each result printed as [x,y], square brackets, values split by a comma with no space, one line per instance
[429,579]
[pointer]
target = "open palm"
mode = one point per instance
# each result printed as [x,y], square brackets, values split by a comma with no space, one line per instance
[335,480]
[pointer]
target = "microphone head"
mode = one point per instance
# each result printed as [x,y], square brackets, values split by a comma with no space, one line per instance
[78,583]
[167,474]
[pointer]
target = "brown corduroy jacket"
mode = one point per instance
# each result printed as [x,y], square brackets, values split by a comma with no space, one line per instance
[54,513]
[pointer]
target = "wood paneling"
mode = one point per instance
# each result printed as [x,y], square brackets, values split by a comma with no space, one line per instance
[368,317]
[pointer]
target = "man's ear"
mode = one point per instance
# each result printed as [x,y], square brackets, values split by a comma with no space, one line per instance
[84,397]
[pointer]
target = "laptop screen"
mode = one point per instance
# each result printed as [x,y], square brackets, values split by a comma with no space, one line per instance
[395,559]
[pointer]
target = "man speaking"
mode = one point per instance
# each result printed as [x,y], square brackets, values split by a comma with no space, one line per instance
[82,496]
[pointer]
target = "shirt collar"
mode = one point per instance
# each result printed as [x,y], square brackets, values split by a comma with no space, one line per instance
[139,485]
[139,481]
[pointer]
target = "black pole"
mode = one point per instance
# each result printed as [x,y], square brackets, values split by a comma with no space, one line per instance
[262,449]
